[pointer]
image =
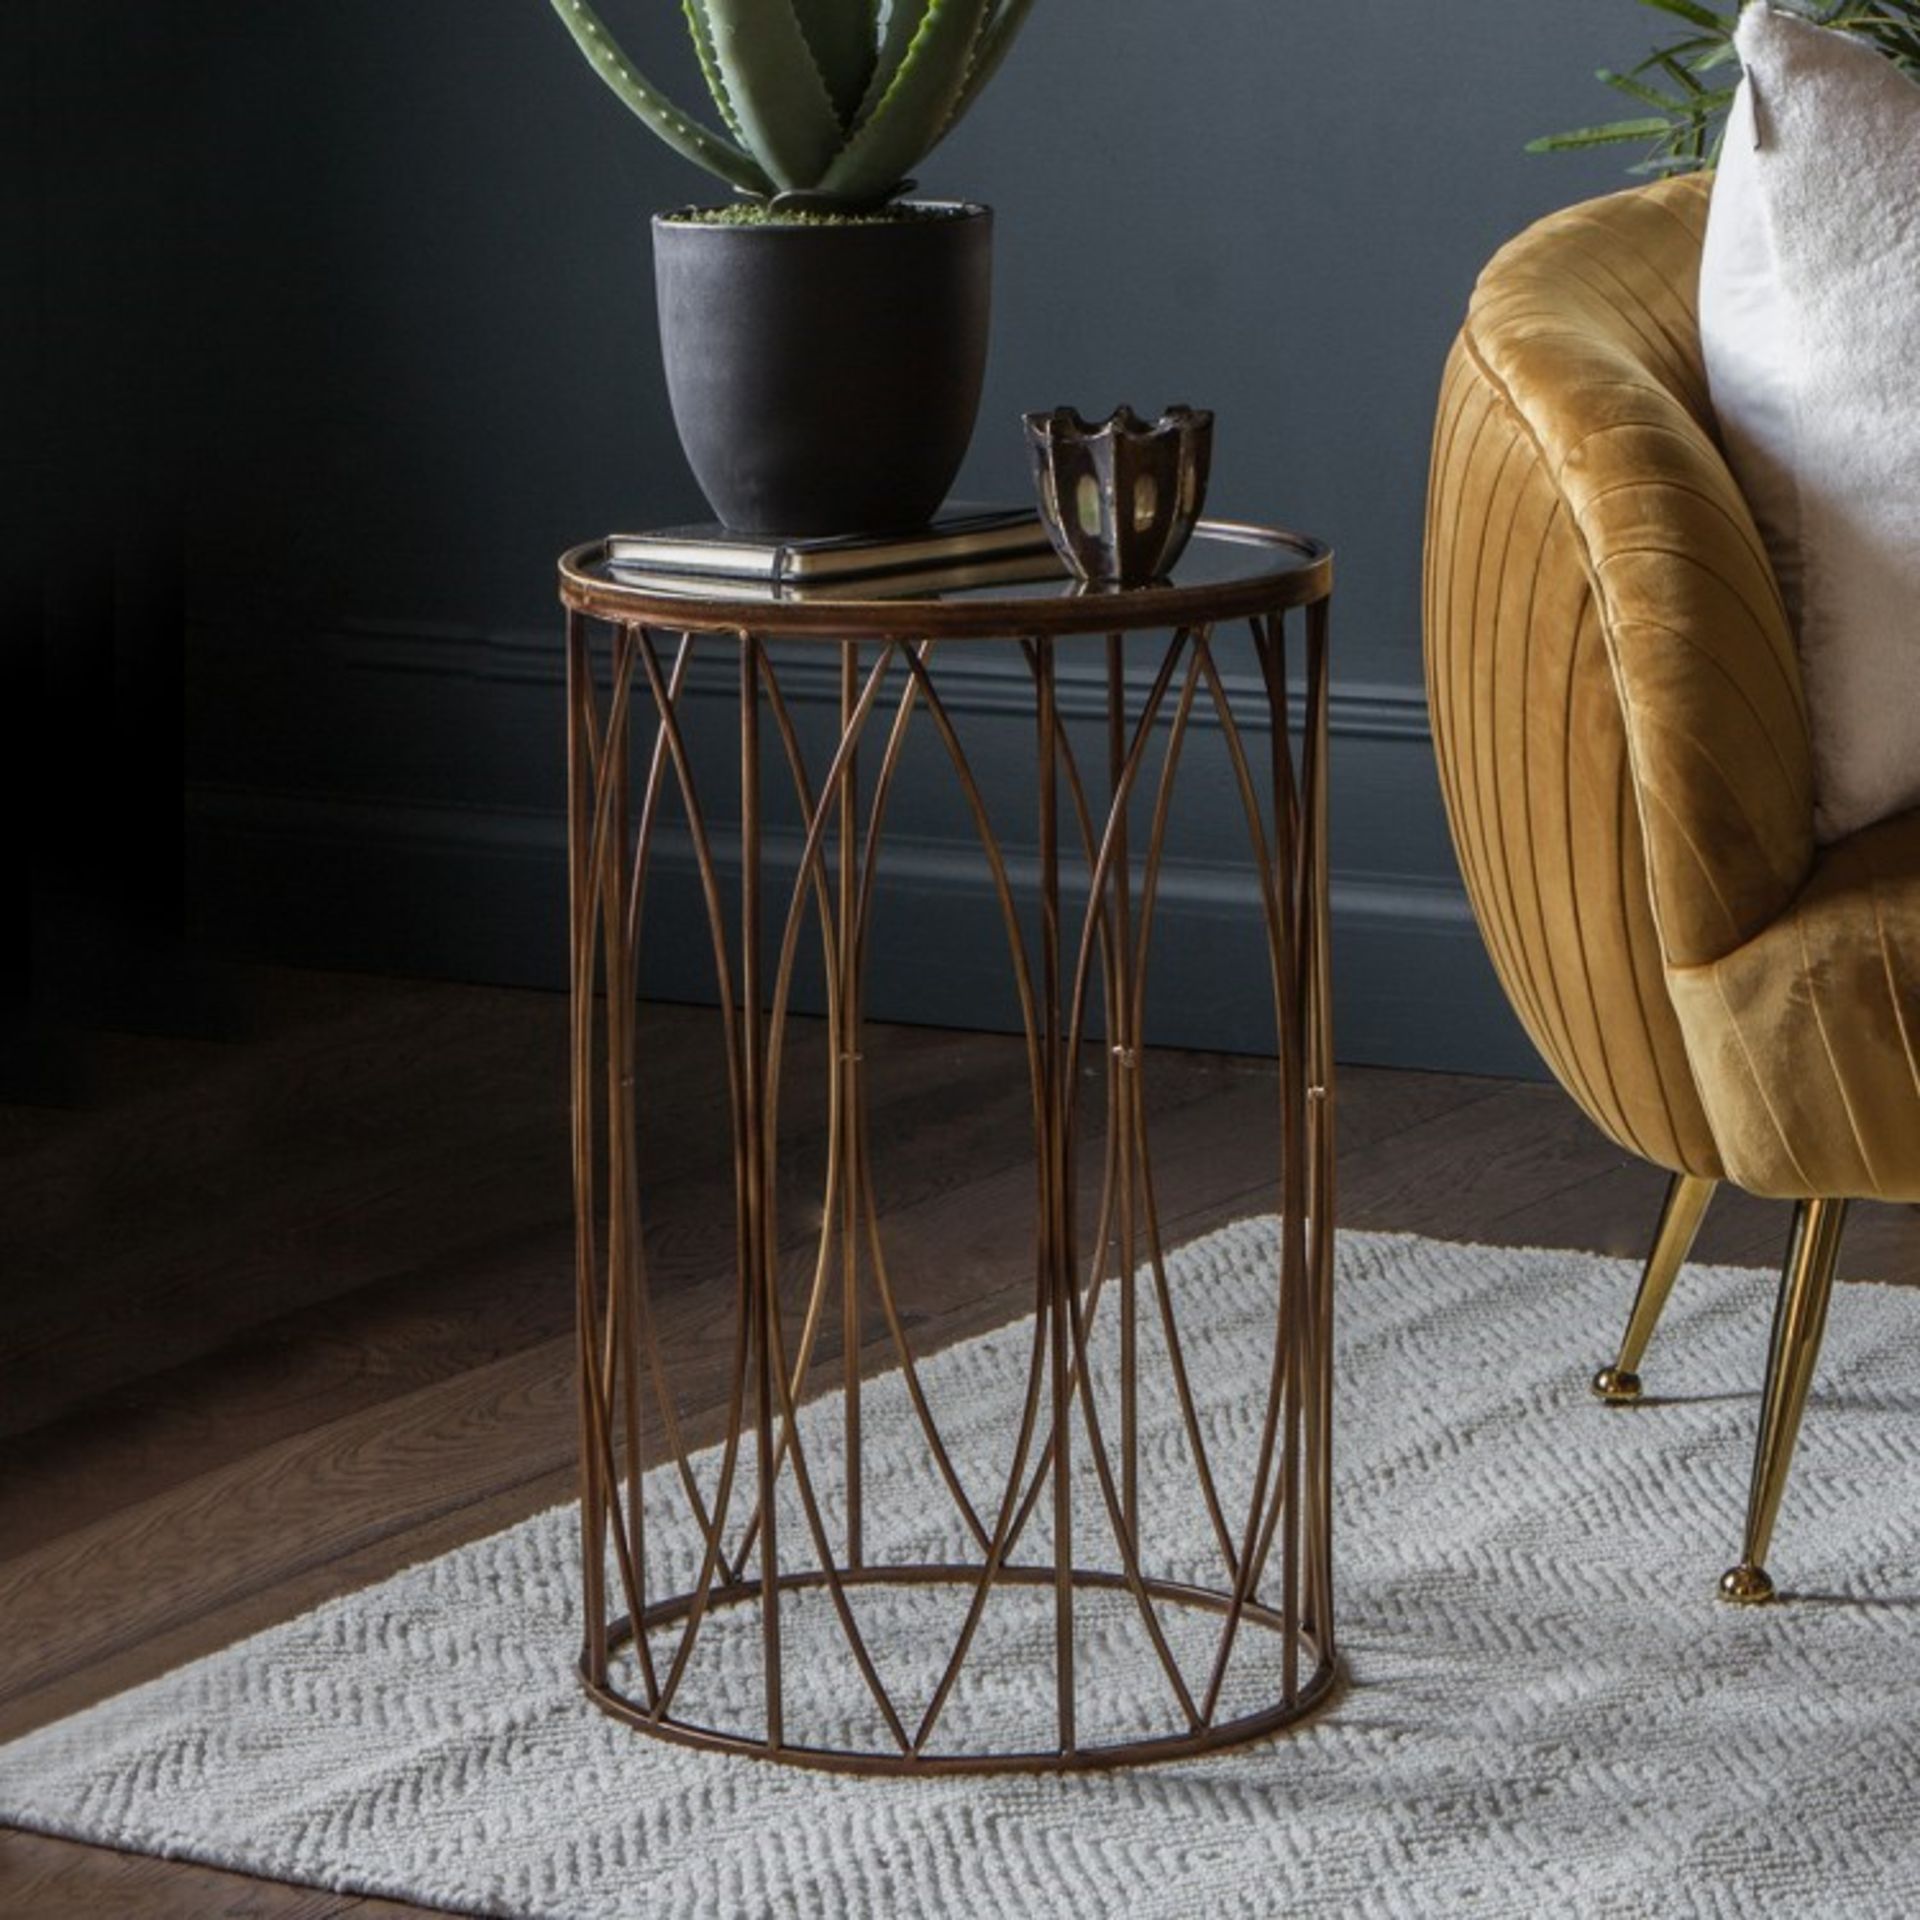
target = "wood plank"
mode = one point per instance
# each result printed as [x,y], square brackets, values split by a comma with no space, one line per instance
[436,1312]
[219,1620]
[285,1181]
[47,1879]
[300,1504]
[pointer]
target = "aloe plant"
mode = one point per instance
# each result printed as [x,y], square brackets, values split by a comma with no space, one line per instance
[822,104]
[1684,88]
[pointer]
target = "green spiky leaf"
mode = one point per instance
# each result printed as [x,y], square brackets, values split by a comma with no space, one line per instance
[1692,12]
[786,113]
[640,96]
[1008,17]
[1688,125]
[829,102]
[701,33]
[1637,89]
[634,91]
[916,107]
[898,22]
[1614,132]
[840,35]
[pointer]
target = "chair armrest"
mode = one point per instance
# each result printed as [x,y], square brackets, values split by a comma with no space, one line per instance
[1587,327]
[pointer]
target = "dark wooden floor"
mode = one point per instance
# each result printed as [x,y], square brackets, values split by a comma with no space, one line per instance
[286,1313]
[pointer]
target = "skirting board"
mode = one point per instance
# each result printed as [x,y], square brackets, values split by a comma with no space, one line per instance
[474,895]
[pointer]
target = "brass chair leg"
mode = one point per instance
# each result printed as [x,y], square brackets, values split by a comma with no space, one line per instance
[1680,1217]
[1799,1320]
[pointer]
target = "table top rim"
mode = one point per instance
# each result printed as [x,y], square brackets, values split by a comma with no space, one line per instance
[1305,577]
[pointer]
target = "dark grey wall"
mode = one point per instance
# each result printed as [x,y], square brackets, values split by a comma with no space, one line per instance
[413,356]
[96,180]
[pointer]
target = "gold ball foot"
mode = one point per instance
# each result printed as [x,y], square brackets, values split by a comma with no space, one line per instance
[1616,1388]
[1746,1586]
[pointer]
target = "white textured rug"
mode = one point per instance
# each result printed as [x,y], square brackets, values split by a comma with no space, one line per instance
[1547,1711]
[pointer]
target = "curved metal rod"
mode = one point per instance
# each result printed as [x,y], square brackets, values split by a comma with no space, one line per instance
[836,1587]
[662,1388]
[1319,1397]
[861,1172]
[1307,1248]
[630,1329]
[1076,788]
[1149,1199]
[1305,796]
[915,658]
[643,851]
[1123,1066]
[615,1380]
[1283,965]
[896,1327]
[713,1556]
[1054,1222]
[1270,647]
[1101,868]
[1076,1318]
[605,755]
[811,860]
[835,1170]
[844,1032]
[1122,1532]
[1111,840]
[1269,643]
[877,813]
[1249,806]
[657,763]
[1155,1253]
[582,757]
[811,866]
[998,1547]
[1080,1314]
[1110,1235]
[1299,821]
[791,1445]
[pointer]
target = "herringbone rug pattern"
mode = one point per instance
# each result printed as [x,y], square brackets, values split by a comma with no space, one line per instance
[1547,1711]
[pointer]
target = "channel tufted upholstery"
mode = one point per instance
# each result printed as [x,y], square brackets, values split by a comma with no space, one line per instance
[1805,1036]
[1622,737]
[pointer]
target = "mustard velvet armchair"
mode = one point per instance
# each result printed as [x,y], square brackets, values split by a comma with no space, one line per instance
[1622,740]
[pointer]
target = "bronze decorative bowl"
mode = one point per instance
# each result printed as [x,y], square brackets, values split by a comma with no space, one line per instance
[1120,498]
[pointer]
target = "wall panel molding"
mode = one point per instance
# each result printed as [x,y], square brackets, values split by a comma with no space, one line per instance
[328,846]
[480,894]
[975,677]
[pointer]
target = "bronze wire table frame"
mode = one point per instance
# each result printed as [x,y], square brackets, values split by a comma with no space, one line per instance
[612,825]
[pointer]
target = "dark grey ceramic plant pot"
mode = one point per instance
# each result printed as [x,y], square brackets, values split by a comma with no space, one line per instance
[824,379]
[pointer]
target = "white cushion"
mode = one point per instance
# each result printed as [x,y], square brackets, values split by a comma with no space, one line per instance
[1810,324]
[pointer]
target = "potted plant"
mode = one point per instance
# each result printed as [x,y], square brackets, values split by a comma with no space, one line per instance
[1684,88]
[824,337]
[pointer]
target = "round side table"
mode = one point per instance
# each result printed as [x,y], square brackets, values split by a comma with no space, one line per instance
[770,1528]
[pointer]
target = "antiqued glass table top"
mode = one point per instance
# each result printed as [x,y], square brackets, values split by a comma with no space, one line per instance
[1227,571]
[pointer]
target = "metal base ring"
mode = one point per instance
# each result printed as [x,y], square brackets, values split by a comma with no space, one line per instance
[1312,1692]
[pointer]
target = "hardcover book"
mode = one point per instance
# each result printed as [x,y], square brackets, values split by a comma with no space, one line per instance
[895,583]
[957,533]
